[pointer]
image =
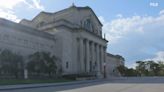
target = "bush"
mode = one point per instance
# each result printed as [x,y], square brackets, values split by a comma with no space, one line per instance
[42,65]
[74,76]
[11,65]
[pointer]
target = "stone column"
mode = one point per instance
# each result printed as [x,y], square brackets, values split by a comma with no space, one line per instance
[87,56]
[98,60]
[102,58]
[104,50]
[93,55]
[81,54]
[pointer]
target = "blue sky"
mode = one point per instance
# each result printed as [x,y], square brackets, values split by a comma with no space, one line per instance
[134,28]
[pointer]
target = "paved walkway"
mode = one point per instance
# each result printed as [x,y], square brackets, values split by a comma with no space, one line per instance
[134,84]
[30,86]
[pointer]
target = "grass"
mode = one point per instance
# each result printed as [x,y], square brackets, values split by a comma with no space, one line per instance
[31,81]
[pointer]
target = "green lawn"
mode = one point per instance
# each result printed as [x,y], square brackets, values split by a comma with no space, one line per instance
[30,81]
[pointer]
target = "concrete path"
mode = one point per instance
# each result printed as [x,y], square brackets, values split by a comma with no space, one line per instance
[42,85]
[144,84]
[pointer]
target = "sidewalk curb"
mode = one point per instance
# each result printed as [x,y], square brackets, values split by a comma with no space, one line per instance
[28,86]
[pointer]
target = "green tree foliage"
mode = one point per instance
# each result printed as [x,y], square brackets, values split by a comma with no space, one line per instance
[11,64]
[150,68]
[161,65]
[153,68]
[131,72]
[143,68]
[42,63]
[122,69]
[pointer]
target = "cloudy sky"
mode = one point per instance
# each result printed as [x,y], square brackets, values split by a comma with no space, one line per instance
[134,28]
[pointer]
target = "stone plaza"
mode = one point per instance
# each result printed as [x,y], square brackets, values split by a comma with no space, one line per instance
[131,84]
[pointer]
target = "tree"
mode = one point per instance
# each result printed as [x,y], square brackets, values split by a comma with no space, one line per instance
[131,72]
[51,66]
[153,68]
[161,65]
[11,63]
[127,71]
[141,68]
[150,68]
[144,68]
[122,69]
[42,63]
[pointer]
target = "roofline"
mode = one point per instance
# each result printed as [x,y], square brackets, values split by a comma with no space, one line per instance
[117,56]
[23,28]
[42,12]
[87,7]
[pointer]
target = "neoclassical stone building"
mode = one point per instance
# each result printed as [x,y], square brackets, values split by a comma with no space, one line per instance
[73,34]
[112,62]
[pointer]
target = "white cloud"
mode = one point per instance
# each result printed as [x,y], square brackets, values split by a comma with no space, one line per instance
[35,4]
[9,4]
[133,66]
[159,56]
[119,15]
[9,15]
[108,31]
[161,12]
[7,7]
[136,37]
[38,5]
[153,4]
[120,27]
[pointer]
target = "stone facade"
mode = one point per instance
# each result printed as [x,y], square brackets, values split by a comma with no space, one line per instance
[74,35]
[24,40]
[112,62]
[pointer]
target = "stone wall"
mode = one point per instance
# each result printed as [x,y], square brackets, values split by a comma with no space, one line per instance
[112,62]
[24,40]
